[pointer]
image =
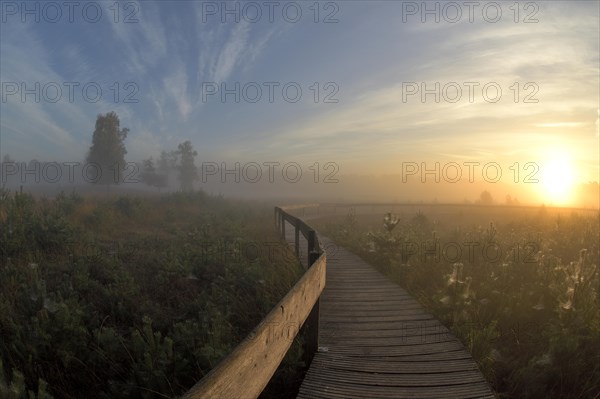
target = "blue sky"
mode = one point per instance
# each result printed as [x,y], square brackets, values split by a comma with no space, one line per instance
[369,57]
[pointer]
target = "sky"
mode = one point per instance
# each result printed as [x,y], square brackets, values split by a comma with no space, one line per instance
[374,87]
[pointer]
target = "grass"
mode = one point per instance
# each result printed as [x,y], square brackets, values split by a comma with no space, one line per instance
[123,296]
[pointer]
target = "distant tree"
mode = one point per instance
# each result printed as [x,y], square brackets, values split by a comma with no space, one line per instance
[486,198]
[169,160]
[164,166]
[187,170]
[108,149]
[167,164]
[148,171]
[163,162]
[149,165]
[173,159]
[151,177]
[511,201]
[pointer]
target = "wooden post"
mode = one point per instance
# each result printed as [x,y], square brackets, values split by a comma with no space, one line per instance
[312,332]
[297,240]
[312,252]
[311,345]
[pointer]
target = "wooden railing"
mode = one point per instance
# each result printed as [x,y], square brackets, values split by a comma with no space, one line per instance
[245,372]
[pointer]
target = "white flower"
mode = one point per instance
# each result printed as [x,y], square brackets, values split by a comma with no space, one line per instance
[445,300]
[567,305]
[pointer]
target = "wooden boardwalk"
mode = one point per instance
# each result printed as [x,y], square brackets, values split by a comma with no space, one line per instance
[376,341]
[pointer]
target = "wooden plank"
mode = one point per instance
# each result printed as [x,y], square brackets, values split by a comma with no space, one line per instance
[399,379]
[343,390]
[248,369]
[385,366]
[378,342]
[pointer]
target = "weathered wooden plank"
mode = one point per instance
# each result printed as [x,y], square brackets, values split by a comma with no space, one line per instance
[384,366]
[374,312]
[412,333]
[372,307]
[353,387]
[248,369]
[350,301]
[330,388]
[378,342]
[395,350]
[399,379]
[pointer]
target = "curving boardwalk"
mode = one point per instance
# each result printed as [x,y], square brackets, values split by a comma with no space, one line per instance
[376,341]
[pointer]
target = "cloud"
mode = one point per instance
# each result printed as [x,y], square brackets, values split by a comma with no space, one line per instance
[175,85]
[228,49]
[144,41]
[24,62]
[231,53]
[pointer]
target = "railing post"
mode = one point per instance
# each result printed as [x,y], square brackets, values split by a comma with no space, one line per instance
[297,240]
[312,247]
[311,345]
[312,332]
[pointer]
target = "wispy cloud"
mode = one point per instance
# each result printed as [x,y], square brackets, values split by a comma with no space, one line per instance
[144,41]
[175,86]
[230,55]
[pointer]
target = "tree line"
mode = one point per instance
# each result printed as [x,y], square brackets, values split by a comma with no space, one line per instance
[108,153]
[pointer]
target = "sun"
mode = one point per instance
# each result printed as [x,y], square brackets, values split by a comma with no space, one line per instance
[557,179]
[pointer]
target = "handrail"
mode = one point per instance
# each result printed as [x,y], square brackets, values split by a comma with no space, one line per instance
[314,245]
[245,372]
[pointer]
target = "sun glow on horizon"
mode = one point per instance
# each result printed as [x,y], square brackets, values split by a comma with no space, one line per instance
[557,179]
